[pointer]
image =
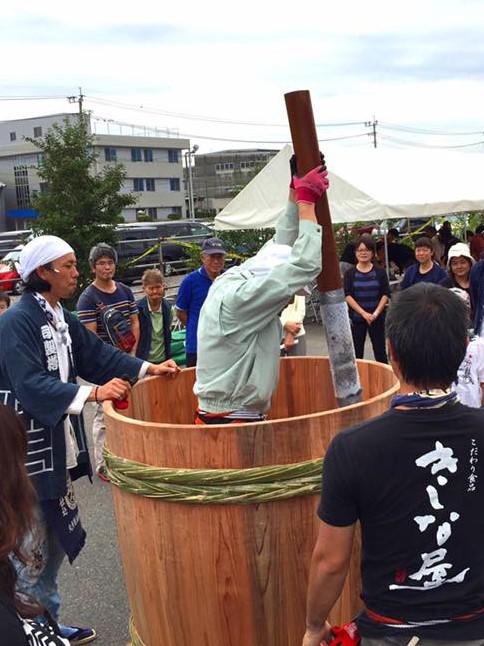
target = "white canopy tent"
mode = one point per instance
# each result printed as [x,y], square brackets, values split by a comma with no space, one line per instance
[368,185]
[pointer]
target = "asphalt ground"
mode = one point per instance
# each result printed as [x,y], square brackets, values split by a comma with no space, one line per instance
[92,589]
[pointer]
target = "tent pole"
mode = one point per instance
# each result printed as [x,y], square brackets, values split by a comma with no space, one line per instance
[385,242]
[334,311]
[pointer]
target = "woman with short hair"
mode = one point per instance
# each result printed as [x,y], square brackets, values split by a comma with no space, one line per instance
[426,270]
[367,293]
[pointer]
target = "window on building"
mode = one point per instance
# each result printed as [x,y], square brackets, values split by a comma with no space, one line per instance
[173,155]
[110,154]
[43,187]
[13,136]
[38,131]
[150,184]
[224,167]
[138,184]
[148,155]
[40,159]
[176,209]
[22,189]
[174,184]
[152,212]
[135,154]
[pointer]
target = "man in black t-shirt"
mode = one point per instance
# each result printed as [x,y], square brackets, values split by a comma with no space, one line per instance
[414,479]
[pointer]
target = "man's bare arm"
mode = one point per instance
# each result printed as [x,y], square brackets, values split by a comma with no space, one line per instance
[329,565]
[134,319]
[182,316]
[91,326]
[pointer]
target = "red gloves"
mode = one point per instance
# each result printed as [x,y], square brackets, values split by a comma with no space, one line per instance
[311,186]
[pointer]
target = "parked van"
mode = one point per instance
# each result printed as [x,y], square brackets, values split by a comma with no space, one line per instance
[136,238]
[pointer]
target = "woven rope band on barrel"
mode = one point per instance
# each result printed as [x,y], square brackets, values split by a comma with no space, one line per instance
[133,633]
[215,486]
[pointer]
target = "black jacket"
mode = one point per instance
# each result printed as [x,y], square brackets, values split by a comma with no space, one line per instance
[144,345]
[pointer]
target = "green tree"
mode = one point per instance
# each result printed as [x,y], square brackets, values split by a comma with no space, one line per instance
[80,205]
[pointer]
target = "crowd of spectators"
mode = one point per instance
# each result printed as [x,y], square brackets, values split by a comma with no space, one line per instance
[133,338]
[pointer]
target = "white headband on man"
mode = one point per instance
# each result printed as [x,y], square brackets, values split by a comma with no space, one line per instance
[41,251]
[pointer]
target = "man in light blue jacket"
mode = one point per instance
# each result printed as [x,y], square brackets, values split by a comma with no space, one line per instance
[239,331]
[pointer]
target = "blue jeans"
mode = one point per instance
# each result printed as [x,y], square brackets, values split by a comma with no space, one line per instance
[38,579]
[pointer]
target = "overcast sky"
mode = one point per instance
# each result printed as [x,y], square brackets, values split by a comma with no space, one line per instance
[417,64]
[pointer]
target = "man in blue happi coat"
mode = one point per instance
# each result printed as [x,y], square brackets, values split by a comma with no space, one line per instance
[43,349]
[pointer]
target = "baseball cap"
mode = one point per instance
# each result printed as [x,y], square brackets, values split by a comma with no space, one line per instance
[213,245]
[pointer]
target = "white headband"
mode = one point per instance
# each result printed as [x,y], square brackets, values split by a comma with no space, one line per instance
[41,251]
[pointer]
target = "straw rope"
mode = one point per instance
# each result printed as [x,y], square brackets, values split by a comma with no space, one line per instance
[215,486]
[133,633]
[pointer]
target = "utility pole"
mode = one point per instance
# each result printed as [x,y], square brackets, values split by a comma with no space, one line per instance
[80,101]
[372,124]
[188,165]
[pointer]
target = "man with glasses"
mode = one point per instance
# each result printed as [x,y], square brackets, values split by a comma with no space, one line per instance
[105,292]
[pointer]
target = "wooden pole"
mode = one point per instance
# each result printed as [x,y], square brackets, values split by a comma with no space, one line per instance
[334,312]
[306,149]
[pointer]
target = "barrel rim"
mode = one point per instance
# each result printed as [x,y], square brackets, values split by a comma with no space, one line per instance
[115,415]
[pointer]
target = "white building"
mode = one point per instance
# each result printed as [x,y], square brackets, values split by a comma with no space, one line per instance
[154,172]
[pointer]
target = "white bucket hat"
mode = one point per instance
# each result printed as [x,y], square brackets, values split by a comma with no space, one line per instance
[459,249]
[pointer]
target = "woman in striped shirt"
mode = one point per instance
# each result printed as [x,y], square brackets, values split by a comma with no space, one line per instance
[367,293]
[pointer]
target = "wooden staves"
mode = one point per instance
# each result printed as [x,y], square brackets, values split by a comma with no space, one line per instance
[230,575]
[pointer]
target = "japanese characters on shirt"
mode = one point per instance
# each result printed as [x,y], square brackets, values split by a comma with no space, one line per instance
[437,569]
[39,439]
[473,460]
[50,348]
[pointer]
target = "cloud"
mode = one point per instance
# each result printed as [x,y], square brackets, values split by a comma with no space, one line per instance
[50,31]
[443,56]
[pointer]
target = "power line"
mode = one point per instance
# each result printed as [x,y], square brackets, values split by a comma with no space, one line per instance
[425,131]
[416,144]
[221,120]
[197,117]
[227,139]
[30,98]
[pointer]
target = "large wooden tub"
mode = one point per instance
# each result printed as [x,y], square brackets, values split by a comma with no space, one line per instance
[230,575]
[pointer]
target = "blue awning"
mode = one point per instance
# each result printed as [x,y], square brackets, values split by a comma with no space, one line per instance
[22,213]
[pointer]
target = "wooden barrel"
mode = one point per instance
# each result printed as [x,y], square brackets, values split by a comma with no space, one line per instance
[230,575]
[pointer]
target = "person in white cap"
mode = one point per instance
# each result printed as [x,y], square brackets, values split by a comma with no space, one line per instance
[43,349]
[239,331]
[459,265]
